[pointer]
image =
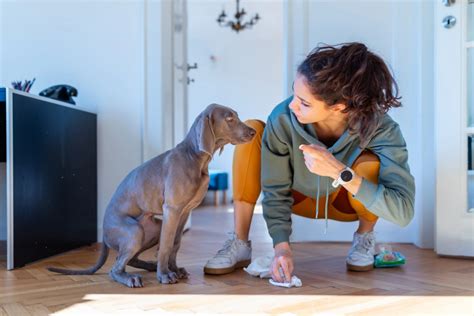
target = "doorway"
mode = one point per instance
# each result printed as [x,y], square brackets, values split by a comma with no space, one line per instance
[243,70]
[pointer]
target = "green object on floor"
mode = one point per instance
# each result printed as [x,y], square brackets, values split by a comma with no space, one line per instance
[388,259]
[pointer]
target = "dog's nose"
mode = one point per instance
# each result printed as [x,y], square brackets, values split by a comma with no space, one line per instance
[252,132]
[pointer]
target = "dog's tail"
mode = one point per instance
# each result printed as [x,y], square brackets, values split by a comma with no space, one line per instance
[104,253]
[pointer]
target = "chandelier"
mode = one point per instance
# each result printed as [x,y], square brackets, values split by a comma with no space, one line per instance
[237,25]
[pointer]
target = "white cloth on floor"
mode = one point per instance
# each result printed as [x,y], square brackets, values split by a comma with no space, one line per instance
[295,282]
[260,267]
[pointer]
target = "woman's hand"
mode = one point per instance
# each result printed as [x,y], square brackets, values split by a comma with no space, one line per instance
[320,161]
[282,264]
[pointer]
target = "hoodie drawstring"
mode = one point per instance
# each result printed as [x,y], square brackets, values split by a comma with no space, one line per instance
[325,206]
[317,198]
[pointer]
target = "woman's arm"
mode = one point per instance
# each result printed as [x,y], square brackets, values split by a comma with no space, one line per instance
[277,179]
[393,197]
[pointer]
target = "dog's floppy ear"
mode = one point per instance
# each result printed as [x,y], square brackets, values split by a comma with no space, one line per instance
[206,138]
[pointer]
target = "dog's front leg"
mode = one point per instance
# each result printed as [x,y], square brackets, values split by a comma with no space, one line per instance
[167,237]
[173,266]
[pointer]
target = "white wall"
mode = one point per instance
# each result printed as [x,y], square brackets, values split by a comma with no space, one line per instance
[247,73]
[158,89]
[426,196]
[401,33]
[96,46]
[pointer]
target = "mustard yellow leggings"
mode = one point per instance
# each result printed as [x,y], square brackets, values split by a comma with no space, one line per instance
[341,205]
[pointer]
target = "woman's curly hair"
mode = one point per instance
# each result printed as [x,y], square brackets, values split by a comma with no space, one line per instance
[350,74]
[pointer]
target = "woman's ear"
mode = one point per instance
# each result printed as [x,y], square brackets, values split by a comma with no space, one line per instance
[338,107]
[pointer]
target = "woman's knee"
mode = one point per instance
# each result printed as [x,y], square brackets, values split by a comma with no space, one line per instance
[257,125]
[246,166]
[367,165]
[247,149]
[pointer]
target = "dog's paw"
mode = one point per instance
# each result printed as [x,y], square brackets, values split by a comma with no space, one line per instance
[182,273]
[167,277]
[134,281]
[130,280]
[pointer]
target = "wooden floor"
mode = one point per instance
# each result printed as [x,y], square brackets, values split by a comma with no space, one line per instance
[427,284]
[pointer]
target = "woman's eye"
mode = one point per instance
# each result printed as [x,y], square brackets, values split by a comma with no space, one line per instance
[305,105]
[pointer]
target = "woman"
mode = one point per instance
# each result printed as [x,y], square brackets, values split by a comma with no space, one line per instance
[330,151]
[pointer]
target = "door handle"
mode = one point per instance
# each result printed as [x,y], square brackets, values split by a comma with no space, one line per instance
[448,3]
[449,21]
[191,67]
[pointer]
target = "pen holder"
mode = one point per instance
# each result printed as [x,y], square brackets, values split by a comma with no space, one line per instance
[25,86]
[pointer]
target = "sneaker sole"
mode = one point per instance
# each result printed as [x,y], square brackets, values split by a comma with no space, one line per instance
[352,267]
[219,271]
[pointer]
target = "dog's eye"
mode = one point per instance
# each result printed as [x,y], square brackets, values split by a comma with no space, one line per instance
[229,119]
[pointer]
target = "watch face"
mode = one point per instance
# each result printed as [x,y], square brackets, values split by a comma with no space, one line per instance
[346,176]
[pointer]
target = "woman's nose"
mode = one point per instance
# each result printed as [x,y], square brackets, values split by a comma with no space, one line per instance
[292,106]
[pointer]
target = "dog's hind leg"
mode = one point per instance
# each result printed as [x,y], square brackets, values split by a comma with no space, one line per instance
[151,228]
[129,246]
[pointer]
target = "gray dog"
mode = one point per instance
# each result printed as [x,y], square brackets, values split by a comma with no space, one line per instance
[152,204]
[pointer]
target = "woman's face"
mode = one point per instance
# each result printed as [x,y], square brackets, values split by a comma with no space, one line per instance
[306,107]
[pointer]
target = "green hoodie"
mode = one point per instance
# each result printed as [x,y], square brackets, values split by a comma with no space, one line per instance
[283,169]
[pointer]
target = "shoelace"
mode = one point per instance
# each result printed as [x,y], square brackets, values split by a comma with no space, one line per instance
[228,245]
[365,242]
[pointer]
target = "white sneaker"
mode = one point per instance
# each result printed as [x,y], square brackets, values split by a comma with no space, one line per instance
[234,254]
[361,254]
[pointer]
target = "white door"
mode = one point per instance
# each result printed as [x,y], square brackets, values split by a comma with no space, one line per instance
[454,86]
[180,71]
[165,114]
[180,75]
[166,85]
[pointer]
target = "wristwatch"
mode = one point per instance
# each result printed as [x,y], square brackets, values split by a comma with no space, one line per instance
[345,176]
